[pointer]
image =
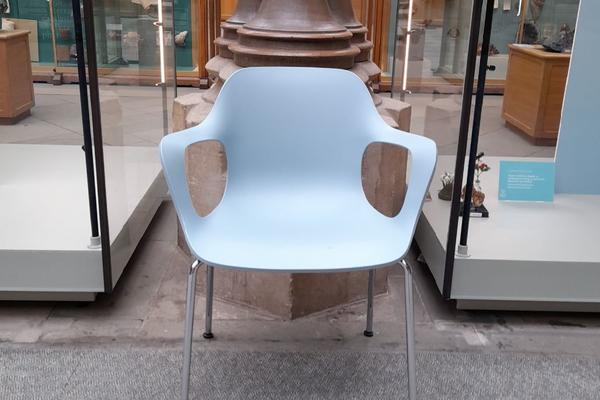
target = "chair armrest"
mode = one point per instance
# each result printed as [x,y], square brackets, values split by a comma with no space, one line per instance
[172,155]
[423,153]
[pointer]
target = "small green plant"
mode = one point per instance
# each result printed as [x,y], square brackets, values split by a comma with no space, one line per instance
[480,167]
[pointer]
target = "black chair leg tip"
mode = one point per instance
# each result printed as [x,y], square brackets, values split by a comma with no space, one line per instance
[208,335]
[368,333]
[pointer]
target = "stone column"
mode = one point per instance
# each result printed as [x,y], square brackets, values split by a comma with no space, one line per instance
[317,33]
[294,33]
[343,13]
[245,11]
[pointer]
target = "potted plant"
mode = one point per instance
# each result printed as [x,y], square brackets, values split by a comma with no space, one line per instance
[478,195]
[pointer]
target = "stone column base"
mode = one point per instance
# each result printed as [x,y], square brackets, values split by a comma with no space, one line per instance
[290,296]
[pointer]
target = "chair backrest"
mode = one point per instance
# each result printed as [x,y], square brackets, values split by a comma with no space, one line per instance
[294,126]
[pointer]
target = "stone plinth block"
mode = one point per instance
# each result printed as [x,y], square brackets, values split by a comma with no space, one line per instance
[291,296]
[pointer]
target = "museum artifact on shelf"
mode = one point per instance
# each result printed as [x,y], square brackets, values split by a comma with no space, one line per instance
[447,184]
[560,42]
[534,91]
[477,196]
[16,85]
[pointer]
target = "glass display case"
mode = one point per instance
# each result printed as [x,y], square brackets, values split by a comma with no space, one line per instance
[126,35]
[439,32]
[512,256]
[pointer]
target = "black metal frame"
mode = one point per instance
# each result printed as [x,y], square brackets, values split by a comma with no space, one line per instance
[464,134]
[483,67]
[90,42]
[85,119]
[93,143]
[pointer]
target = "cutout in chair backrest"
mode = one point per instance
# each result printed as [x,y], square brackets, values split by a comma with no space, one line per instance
[206,172]
[384,177]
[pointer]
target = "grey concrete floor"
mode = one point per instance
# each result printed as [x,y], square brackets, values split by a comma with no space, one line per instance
[147,307]
[131,116]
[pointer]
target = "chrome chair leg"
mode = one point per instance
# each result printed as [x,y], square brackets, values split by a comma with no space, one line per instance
[209,303]
[370,293]
[410,331]
[189,330]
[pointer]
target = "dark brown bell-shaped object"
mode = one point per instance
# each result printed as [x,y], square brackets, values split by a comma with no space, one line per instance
[294,33]
[244,12]
[343,13]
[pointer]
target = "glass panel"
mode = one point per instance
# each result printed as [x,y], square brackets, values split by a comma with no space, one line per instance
[120,26]
[508,124]
[38,17]
[505,30]
[429,73]
[387,64]
[185,26]
[135,50]
[527,22]
[429,69]
[520,123]
[62,33]
[544,19]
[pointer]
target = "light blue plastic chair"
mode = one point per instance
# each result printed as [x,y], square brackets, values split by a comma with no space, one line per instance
[294,201]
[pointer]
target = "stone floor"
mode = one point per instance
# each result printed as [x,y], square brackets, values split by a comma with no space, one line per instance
[147,307]
[131,116]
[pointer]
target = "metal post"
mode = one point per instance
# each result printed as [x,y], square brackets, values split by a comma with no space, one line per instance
[209,303]
[410,331]
[85,120]
[462,146]
[90,41]
[189,330]
[483,66]
[394,77]
[370,293]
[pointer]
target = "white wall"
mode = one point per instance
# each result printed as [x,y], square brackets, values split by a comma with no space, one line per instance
[578,150]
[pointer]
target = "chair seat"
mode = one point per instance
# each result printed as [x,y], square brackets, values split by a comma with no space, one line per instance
[285,232]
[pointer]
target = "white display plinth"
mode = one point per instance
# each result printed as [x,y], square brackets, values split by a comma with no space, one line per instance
[525,256]
[45,229]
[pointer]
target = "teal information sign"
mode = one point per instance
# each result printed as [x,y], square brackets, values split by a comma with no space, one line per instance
[526,181]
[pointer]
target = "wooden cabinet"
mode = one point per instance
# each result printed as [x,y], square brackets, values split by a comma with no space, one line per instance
[534,91]
[16,85]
